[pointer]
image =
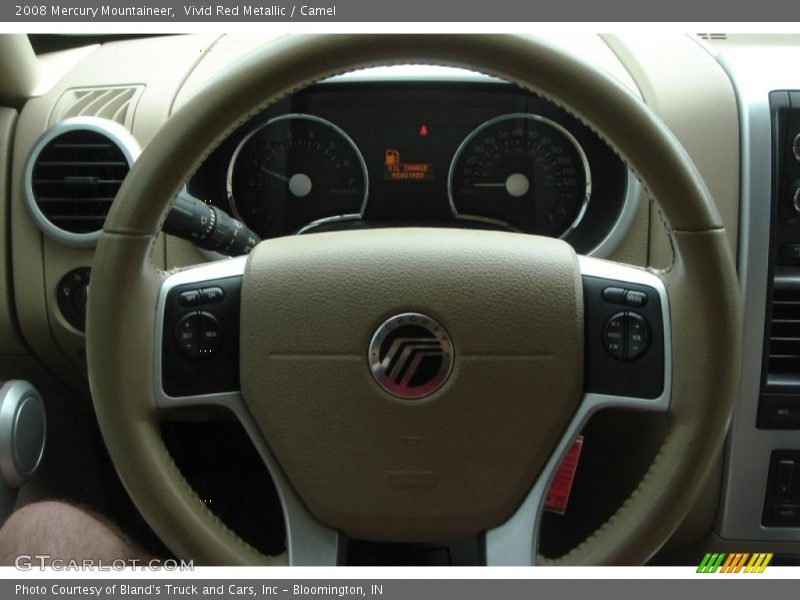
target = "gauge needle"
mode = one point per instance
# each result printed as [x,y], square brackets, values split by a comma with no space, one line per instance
[274,174]
[516,185]
[299,183]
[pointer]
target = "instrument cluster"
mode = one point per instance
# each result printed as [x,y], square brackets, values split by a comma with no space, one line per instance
[449,154]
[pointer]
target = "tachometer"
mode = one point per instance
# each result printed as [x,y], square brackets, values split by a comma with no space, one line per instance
[522,169]
[294,170]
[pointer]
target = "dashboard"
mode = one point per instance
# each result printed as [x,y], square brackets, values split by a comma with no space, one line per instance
[480,155]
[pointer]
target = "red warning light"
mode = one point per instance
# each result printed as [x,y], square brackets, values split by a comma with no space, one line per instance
[423,131]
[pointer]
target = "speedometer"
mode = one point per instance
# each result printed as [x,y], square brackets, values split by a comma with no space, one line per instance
[295,170]
[524,170]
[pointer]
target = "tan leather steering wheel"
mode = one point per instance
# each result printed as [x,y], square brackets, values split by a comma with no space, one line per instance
[519,311]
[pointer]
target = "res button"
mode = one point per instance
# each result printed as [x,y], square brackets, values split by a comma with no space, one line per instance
[209,334]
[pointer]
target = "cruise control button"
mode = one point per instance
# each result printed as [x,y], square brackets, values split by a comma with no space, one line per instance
[212,294]
[613,294]
[209,334]
[186,335]
[614,335]
[638,336]
[190,298]
[635,298]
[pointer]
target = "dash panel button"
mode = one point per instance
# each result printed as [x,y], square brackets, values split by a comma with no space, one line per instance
[785,478]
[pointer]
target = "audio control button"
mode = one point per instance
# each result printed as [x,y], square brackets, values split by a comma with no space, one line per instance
[186,335]
[626,336]
[635,298]
[638,336]
[614,336]
[614,295]
[209,334]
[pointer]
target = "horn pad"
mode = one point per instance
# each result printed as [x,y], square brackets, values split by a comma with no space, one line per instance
[412,383]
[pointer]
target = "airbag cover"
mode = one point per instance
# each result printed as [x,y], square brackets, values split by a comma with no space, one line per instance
[451,464]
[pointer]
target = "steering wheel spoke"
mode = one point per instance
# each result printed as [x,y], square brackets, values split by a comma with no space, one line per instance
[195,369]
[628,336]
[197,335]
[628,365]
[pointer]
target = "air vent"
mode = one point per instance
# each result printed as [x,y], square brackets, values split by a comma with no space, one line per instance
[783,363]
[73,175]
[116,104]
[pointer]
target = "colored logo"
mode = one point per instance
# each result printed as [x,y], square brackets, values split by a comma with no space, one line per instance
[739,562]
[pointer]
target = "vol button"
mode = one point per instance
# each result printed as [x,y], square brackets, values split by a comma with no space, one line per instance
[638,336]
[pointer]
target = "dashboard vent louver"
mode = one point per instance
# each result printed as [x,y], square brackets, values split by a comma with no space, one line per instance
[73,175]
[113,103]
[783,362]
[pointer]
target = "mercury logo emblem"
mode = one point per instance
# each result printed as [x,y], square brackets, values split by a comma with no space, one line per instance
[411,355]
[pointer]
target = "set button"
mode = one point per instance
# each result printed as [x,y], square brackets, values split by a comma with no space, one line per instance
[626,336]
[632,298]
[197,334]
[209,295]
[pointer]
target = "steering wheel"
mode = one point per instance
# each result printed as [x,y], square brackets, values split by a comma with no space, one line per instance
[414,384]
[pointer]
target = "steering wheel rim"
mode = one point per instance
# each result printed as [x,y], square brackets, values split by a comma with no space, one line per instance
[125,290]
